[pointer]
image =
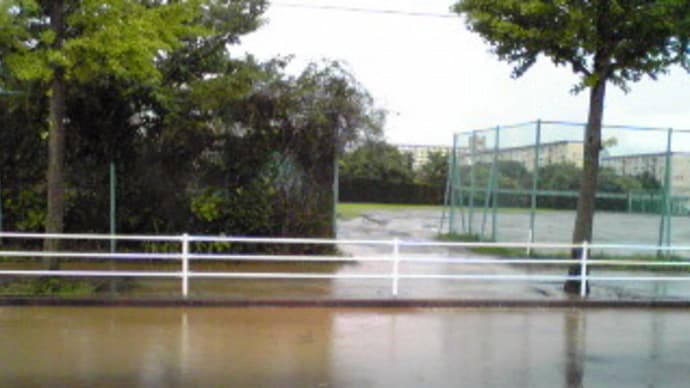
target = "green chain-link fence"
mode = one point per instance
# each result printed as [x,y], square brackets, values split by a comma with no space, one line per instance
[520,182]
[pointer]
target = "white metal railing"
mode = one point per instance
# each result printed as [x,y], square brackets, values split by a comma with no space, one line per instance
[186,255]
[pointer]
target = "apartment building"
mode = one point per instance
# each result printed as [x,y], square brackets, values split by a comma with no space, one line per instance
[549,153]
[655,164]
[420,153]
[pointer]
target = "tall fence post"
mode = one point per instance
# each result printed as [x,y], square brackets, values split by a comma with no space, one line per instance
[451,187]
[396,264]
[113,223]
[185,265]
[495,185]
[583,269]
[668,205]
[535,181]
[473,156]
[113,206]
[665,224]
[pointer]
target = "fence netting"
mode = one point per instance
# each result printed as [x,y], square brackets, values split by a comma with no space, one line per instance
[521,183]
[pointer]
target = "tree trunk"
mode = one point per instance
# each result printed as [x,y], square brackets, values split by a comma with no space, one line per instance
[56,144]
[588,186]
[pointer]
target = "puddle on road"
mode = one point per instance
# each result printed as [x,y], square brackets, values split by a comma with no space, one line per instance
[151,347]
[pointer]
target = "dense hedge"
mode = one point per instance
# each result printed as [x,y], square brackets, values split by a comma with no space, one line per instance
[372,190]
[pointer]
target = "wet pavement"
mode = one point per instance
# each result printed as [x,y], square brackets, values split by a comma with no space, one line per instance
[423,224]
[273,347]
[557,226]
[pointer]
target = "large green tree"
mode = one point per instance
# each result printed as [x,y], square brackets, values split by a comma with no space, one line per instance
[603,41]
[58,43]
[378,160]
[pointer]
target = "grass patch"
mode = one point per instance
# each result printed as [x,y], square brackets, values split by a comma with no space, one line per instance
[493,251]
[127,286]
[520,252]
[348,211]
[49,287]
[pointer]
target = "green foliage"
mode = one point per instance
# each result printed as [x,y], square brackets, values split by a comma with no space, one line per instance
[113,38]
[27,210]
[620,41]
[435,170]
[208,205]
[377,160]
[375,190]
[202,142]
[49,287]
[556,177]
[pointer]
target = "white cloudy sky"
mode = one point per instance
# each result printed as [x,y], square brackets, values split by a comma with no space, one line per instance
[436,78]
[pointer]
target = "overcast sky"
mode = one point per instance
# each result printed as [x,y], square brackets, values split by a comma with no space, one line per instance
[436,78]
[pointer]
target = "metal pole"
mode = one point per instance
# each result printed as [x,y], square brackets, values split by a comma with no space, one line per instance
[452,186]
[113,223]
[396,264]
[446,203]
[669,188]
[185,265]
[473,149]
[583,269]
[113,207]
[494,184]
[336,189]
[666,194]
[489,187]
[535,181]
[461,196]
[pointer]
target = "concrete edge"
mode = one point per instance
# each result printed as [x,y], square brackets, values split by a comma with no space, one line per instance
[341,303]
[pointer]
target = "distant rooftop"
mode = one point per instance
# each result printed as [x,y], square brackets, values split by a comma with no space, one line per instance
[645,155]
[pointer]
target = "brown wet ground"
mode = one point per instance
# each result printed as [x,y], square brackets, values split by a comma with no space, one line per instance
[274,347]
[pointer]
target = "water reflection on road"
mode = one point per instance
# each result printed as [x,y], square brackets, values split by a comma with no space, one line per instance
[342,348]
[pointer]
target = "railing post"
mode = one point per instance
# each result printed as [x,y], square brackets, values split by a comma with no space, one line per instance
[185,265]
[583,269]
[396,263]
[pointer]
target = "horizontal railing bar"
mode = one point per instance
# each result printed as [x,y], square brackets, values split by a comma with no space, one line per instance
[640,247]
[96,255]
[317,241]
[267,275]
[269,240]
[640,263]
[89,236]
[639,278]
[140,274]
[487,261]
[472,244]
[490,277]
[304,258]
[270,275]
[288,258]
